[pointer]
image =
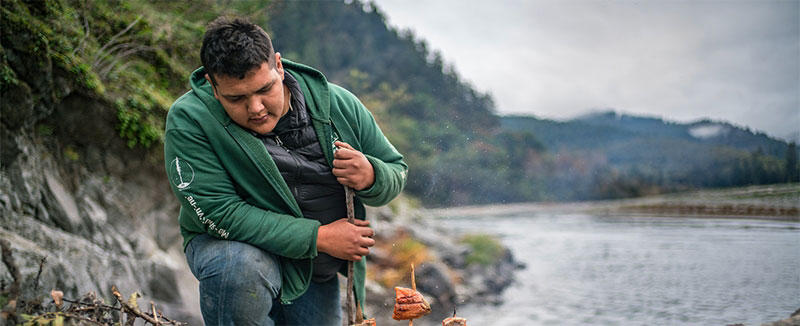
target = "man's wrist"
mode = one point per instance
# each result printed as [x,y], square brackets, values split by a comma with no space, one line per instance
[322,239]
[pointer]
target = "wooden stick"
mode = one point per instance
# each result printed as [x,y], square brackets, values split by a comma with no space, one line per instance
[349,301]
[413,280]
[413,287]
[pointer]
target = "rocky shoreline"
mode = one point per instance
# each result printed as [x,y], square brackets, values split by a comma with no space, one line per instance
[445,276]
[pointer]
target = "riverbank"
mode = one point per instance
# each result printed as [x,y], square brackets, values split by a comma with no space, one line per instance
[452,268]
[779,202]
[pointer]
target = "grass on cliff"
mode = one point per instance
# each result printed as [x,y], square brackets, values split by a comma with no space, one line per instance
[135,56]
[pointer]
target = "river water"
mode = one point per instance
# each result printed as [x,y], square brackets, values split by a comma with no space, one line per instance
[593,270]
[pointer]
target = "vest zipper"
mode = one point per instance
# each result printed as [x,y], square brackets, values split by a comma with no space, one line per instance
[280,143]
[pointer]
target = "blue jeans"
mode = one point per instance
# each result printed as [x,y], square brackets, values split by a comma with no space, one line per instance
[240,285]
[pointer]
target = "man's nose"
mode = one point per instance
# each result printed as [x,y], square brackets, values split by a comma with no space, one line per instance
[254,105]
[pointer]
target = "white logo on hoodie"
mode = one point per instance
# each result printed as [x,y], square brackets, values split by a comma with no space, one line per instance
[181,174]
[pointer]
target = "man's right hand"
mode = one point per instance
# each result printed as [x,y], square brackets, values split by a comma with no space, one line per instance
[346,241]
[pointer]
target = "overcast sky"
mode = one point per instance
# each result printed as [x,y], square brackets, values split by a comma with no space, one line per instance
[736,61]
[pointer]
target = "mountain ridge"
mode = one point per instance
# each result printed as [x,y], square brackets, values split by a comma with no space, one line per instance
[704,130]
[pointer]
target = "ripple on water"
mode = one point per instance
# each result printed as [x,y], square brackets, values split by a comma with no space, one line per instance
[625,270]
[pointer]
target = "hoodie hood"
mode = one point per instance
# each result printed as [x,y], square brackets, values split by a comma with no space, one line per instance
[312,82]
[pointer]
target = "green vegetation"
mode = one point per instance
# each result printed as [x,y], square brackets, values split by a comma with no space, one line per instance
[486,249]
[48,319]
[70,154]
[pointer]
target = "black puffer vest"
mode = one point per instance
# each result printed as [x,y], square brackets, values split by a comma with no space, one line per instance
[295,148]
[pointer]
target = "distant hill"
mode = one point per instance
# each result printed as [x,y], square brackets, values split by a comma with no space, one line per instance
[661,153]
[609,129]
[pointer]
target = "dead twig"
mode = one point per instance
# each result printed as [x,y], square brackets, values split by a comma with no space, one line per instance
[89,305]
[155,315]
[87,310]
[39,274]
[131,309]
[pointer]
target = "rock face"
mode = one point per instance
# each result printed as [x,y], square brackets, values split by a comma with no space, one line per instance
[98,213]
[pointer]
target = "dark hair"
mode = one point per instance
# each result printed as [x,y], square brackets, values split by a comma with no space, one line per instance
[232,46]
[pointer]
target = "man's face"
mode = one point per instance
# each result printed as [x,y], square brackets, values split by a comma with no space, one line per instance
[256,102]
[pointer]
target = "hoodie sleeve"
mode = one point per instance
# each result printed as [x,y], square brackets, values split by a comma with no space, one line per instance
[387,162]
[210,202]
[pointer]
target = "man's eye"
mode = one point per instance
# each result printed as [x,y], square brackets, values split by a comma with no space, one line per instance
[263,91]
[235,99]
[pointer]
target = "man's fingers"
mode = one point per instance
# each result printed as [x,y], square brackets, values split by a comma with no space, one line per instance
[362,222]
[367,232]
[345,154]
[342,164]
[363,251]
[368,242]
[343,144]
[345,181]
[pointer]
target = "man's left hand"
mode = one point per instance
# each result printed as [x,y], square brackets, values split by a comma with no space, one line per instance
[351,167]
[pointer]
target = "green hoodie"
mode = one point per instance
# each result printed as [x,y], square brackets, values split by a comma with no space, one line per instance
[230,188]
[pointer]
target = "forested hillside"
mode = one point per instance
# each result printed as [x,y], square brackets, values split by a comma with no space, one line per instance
[135,57]
[630,156]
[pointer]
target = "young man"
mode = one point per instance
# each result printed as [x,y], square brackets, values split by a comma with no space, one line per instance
[257,153]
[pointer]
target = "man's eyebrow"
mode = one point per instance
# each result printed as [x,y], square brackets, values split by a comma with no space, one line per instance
[266,86]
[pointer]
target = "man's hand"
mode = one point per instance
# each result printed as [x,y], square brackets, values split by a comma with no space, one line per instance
[346,241]
[352,168]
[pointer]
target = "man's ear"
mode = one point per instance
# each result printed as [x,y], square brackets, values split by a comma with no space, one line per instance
[212,86]
[279,64]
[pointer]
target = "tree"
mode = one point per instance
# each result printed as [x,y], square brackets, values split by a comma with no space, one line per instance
[792,171]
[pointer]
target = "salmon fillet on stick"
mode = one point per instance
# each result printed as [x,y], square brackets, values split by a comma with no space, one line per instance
[409,304]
